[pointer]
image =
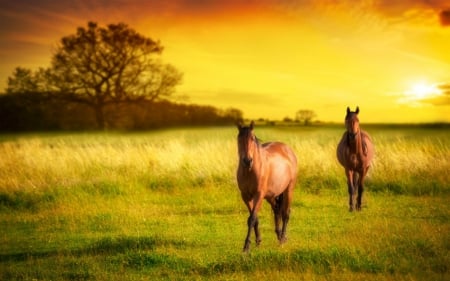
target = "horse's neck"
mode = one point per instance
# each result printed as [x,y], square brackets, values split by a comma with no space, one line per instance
[258,157]
[257,160]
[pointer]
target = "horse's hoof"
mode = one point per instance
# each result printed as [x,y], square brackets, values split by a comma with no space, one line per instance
[283,240]
[246,247]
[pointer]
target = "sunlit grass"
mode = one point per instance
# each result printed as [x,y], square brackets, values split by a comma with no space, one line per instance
[164,205]
[195,157]
[40,163]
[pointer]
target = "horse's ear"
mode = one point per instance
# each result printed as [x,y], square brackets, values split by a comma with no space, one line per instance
[252,124]
[239,125]
[357,110]
[348,110]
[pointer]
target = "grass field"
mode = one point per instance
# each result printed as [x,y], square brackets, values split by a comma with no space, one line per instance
[164,205]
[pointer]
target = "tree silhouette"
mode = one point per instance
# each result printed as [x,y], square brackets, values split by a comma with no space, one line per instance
[99,66]
[24,80]
[305,116]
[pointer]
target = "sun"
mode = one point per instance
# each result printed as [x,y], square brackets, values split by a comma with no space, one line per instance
[419,94]
[421,90]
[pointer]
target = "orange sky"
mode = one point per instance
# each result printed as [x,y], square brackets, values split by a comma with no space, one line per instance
[269,58]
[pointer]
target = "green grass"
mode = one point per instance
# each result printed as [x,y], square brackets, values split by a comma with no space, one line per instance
[165,205]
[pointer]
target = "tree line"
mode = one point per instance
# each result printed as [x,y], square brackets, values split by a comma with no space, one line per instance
[37,112]
[102,78]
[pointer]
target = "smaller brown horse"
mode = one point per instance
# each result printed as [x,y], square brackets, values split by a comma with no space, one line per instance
[265,171]
[355,153]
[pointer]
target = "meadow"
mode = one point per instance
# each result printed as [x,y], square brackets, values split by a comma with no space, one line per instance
[164,205]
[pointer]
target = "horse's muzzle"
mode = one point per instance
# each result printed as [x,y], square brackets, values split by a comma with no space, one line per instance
[247,162]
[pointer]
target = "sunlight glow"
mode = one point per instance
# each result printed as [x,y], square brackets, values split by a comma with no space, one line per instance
[422,90]
[420,93]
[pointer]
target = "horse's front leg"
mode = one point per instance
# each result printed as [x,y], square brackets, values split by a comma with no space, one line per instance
[257,233]
[253,222]
[351,189]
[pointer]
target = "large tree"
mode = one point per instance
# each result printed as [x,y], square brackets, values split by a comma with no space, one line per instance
[99,66]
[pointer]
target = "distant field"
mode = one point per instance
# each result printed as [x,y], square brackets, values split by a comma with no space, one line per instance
[165,205]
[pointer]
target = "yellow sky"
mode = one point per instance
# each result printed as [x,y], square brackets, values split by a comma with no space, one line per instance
[271,58]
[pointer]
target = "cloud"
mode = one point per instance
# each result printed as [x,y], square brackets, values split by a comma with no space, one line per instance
[445,88]
[417,12]
[444,16]
[431,95]
[443,98]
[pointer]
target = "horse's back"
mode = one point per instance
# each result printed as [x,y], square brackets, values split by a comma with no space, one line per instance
[282,152]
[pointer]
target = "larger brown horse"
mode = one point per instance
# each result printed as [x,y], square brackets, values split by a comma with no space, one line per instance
[265,171]
[355,153]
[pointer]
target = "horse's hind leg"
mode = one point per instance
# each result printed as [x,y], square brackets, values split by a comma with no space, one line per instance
[276,208]
[360,189]
[286,211]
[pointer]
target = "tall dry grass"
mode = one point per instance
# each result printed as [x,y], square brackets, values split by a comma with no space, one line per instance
[407,162]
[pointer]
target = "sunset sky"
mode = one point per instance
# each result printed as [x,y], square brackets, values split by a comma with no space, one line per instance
[269,58]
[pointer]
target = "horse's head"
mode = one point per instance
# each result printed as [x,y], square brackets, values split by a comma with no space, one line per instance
[352,122]
[247,144]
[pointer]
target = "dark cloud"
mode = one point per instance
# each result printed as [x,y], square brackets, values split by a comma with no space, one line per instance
[445,88]
[408,10]
[443,98]
[444,16]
